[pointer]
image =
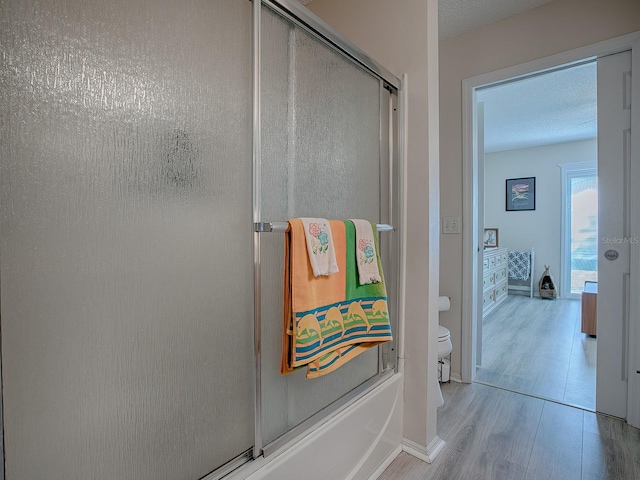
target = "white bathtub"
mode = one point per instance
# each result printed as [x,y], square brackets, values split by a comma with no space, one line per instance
[356,444]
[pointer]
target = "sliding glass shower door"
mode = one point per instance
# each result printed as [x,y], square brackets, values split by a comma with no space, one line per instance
[126,267]
[321,157]
[128,281]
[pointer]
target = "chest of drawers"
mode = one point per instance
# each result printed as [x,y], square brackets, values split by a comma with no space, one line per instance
[494,278]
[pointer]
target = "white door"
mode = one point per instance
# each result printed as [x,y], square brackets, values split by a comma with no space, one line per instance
[633,402]
[614,161]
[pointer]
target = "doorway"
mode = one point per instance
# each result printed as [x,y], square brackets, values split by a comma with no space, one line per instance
[472,224]
[536,130]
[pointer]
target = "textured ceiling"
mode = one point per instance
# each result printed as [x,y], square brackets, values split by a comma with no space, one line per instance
[553,108]
[458,16]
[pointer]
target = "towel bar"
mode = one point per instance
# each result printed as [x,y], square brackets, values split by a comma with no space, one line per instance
[281,227]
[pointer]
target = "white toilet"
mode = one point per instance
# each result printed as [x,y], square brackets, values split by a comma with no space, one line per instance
[444,349]
[444,342]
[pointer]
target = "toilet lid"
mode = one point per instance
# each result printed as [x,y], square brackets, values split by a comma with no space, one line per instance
[443,333]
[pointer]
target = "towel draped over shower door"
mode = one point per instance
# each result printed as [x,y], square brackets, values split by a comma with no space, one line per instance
[329,320]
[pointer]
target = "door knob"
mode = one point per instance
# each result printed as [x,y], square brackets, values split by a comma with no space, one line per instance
[611,255]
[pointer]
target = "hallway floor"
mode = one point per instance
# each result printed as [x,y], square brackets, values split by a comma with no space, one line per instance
[535,347]
[493,434]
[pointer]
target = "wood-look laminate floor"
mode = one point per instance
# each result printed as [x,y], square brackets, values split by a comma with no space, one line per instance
[535,346]
[495,434]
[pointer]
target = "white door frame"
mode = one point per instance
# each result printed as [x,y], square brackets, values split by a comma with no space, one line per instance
[473,200]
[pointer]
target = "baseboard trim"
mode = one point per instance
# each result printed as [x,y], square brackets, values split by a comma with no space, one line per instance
[426,455]
[435,447]
[455,377]
[383,466]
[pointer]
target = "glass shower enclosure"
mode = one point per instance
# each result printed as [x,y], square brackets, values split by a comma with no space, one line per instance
[140,338]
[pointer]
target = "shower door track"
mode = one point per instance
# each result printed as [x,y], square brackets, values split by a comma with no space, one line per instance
[304,18]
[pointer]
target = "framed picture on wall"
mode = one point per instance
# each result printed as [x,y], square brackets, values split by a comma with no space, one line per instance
[490,239]
[521,194]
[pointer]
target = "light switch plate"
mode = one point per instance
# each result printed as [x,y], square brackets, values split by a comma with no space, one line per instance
[450,224]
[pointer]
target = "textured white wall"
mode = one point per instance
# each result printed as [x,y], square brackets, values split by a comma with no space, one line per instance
[553,28]
[540,228]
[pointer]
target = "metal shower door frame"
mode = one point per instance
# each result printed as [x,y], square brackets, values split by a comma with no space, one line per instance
[390,144]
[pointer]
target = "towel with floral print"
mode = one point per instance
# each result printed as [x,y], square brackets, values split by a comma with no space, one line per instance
[322,254]
[366,257]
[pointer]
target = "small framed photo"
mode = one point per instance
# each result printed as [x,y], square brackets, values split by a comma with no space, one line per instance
[521,194]
[490,239]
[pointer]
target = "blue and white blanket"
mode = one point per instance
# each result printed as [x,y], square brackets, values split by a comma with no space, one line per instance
[519,265]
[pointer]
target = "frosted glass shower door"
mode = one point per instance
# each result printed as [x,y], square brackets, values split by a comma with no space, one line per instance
[126,257]
[321,129]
